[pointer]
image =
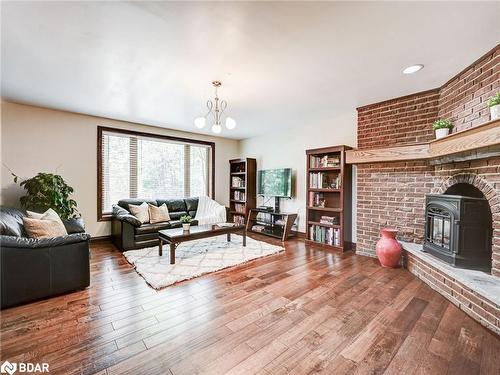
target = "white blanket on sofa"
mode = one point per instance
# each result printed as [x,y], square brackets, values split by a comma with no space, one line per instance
[209,211]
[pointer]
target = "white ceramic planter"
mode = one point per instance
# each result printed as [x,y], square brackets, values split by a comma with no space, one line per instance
[495,112]
[186,226]
[441,133]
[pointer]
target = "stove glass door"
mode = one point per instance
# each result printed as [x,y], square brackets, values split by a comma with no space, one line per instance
[439,227]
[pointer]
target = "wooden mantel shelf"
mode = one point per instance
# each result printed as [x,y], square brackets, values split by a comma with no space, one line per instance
[485,135]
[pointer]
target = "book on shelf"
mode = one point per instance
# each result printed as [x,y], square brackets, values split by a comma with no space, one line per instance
[316,199]
[238,219]
[237,181]
[239,207]
[258,228]
[239,195]
[328,236]
[324,161]
[263,217]
[331,220]
[321,180]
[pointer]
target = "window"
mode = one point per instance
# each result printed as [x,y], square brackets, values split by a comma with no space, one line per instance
[139,165]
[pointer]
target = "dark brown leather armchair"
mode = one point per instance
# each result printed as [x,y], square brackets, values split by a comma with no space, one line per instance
[37,268]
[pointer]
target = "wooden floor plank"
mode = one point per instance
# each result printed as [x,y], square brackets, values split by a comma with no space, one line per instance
[490,361]
[466,358]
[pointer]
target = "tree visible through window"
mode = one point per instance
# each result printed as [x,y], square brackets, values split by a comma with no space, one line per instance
[138,166]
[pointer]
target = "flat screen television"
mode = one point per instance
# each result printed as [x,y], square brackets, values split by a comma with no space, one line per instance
[275,182]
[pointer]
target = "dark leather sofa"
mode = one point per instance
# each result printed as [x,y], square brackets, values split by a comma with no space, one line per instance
[127,233]
[37,268]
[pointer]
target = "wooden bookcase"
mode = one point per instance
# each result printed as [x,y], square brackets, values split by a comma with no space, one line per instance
[242,198]
[329,194]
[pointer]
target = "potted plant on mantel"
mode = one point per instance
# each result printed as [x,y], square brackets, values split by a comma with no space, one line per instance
[442,127]
[186,222]
[494,104]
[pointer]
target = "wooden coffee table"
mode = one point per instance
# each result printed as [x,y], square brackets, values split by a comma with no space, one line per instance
[175,236]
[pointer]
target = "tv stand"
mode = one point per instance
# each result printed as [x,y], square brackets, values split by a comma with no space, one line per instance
[276,208]
[271,223]
[276,204]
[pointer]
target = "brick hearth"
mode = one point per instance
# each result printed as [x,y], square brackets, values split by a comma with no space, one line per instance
[474,292]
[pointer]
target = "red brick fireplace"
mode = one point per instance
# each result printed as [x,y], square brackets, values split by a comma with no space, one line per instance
[392,193]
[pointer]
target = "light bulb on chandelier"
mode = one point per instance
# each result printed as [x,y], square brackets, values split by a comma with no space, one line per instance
[230,123]
[216,128]
[200,122]
[215,108]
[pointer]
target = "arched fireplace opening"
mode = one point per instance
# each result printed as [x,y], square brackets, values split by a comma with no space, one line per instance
[459,227]
[464,189]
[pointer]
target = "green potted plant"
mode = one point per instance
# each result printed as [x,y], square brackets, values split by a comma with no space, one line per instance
[186,222]
[442,127]
[494,104]
[47,190]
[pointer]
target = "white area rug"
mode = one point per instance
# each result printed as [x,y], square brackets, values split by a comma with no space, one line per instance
[195,258]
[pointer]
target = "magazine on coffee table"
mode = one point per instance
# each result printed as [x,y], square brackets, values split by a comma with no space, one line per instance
[225,225]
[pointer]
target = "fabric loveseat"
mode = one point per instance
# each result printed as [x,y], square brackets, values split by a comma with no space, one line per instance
[127,232]
[37,268]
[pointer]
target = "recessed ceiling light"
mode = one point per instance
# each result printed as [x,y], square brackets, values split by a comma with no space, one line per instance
[413,69]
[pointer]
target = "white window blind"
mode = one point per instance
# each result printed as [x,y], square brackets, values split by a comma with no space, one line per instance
[138,166]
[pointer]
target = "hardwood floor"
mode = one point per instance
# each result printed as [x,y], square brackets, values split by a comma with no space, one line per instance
[306,311]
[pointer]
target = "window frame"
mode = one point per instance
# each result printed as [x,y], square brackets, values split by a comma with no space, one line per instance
[100,129]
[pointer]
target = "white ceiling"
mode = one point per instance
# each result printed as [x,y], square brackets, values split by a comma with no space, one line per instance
[281,64]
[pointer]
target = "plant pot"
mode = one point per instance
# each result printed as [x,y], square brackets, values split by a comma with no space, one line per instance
[388,249]
[186,227]
[495,112]
[441,133]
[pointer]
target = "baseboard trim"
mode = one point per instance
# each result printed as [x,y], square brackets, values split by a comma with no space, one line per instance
[100,238]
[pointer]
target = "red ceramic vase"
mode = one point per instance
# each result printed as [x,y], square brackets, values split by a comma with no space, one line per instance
[388,249]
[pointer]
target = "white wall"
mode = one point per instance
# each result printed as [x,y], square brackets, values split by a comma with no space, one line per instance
[286,149]
[35,139]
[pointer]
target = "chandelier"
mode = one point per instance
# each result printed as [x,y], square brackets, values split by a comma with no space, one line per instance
[215,108]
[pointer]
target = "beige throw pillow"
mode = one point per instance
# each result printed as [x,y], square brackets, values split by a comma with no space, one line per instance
[158,214]
[35,215]
[141,212]
[50,214]
[43,228]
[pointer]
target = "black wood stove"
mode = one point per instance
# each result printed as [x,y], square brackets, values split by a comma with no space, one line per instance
[458,230]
